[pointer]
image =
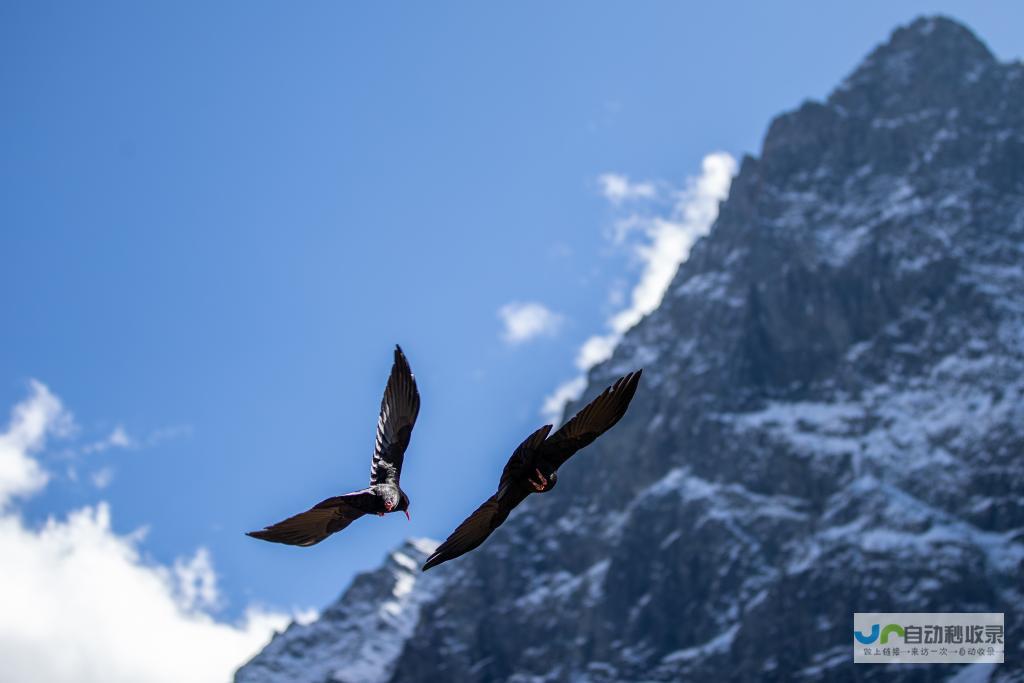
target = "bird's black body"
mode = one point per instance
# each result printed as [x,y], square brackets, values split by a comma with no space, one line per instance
[398,411]
[533,467]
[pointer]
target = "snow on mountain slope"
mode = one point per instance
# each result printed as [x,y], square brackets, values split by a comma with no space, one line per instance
[358,639]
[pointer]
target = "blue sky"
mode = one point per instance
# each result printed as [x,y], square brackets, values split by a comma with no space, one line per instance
[218,220]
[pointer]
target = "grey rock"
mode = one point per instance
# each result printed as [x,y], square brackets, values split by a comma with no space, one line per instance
[357,639]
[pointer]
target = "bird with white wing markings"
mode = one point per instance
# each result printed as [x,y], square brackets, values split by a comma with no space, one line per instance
[398,411]
[533,467]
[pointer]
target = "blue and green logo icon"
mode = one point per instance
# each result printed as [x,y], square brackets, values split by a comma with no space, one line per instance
[873,635]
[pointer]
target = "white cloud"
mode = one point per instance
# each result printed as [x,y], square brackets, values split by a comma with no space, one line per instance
[31,422]
[118,438]
[565,392]
[102,477]
[617,188]
[81,603]
[305,616]
[596,349]
[158,436]
[525,321]
[196,581]
[666,244]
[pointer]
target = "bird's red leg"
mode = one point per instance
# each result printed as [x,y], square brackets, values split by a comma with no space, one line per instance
[543,481]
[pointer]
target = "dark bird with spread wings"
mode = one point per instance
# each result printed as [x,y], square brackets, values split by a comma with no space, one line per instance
[533,467]
[398,411]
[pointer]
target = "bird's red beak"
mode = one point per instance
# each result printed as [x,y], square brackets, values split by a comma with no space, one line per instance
[407,515]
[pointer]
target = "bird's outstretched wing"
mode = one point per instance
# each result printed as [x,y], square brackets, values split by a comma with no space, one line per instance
[398,411]
[522,460]
[599,416]
[317,523]
[471,533]
[495,510]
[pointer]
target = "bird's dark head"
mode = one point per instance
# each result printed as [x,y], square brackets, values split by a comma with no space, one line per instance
[394,499]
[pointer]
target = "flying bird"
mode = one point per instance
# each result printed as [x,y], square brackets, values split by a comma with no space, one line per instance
[398,411]
[533,467]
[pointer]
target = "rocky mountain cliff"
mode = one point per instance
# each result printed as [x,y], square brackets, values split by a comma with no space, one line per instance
[357,639]
[831,420]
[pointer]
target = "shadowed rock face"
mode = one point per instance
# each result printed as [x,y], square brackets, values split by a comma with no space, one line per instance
[831,418]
